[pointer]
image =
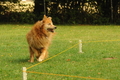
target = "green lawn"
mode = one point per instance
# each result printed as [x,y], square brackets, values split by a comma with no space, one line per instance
[99,60]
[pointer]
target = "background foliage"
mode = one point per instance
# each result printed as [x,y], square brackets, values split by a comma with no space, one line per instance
[65,12]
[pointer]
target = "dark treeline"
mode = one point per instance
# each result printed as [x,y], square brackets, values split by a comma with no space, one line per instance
[67,12]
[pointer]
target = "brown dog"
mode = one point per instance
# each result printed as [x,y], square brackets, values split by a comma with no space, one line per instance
[39,38]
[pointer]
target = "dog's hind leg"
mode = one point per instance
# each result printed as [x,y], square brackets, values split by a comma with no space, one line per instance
[38,53]
[31,55]
[43,54]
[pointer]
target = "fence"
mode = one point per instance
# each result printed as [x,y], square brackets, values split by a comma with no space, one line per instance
[80,51]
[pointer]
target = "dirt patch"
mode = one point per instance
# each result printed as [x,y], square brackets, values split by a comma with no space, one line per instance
[109,58]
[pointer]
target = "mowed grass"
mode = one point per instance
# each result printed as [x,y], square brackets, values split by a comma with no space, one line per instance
[99,60]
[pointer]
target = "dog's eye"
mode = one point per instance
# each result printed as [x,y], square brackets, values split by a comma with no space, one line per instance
[49,24]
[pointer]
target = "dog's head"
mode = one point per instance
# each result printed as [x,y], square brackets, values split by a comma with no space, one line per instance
[48,24]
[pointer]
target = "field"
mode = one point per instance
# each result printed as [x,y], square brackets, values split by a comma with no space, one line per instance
[101,57]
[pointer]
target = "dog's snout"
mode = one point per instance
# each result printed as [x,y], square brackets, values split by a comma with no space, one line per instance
[55,27]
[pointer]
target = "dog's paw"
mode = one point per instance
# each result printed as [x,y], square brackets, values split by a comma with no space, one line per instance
[39,60]
[30,61]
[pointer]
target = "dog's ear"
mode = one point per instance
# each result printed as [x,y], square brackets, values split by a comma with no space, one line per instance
[45,17]
[50,17]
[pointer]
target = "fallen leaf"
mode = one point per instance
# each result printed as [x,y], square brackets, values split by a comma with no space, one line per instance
[68,59]
[99,73]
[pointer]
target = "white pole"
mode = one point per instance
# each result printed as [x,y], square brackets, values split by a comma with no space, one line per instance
[24,73]
[80,46]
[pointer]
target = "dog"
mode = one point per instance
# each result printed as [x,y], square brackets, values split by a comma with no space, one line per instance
[39,38]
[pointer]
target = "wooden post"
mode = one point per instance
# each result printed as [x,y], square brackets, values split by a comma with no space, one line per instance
[24,73]
[80,46]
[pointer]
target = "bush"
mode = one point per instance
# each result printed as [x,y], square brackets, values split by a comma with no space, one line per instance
[67,14]
[18,17]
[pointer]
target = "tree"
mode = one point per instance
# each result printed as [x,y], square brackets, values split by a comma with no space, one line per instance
[39,7]
[115,9]
[105,8]
[10,0]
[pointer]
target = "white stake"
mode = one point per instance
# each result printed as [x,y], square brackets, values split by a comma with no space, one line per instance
[80,46]
[24,73]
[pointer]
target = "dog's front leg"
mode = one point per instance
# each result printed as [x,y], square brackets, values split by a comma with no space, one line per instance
[31,55]
[43,54]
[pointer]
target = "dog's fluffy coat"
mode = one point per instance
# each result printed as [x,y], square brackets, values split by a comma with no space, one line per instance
[39,38]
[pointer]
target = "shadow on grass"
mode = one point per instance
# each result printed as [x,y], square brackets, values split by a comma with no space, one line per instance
[23,61]
[19,60]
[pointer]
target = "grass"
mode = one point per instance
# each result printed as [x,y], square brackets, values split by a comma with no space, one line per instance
[92,63]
